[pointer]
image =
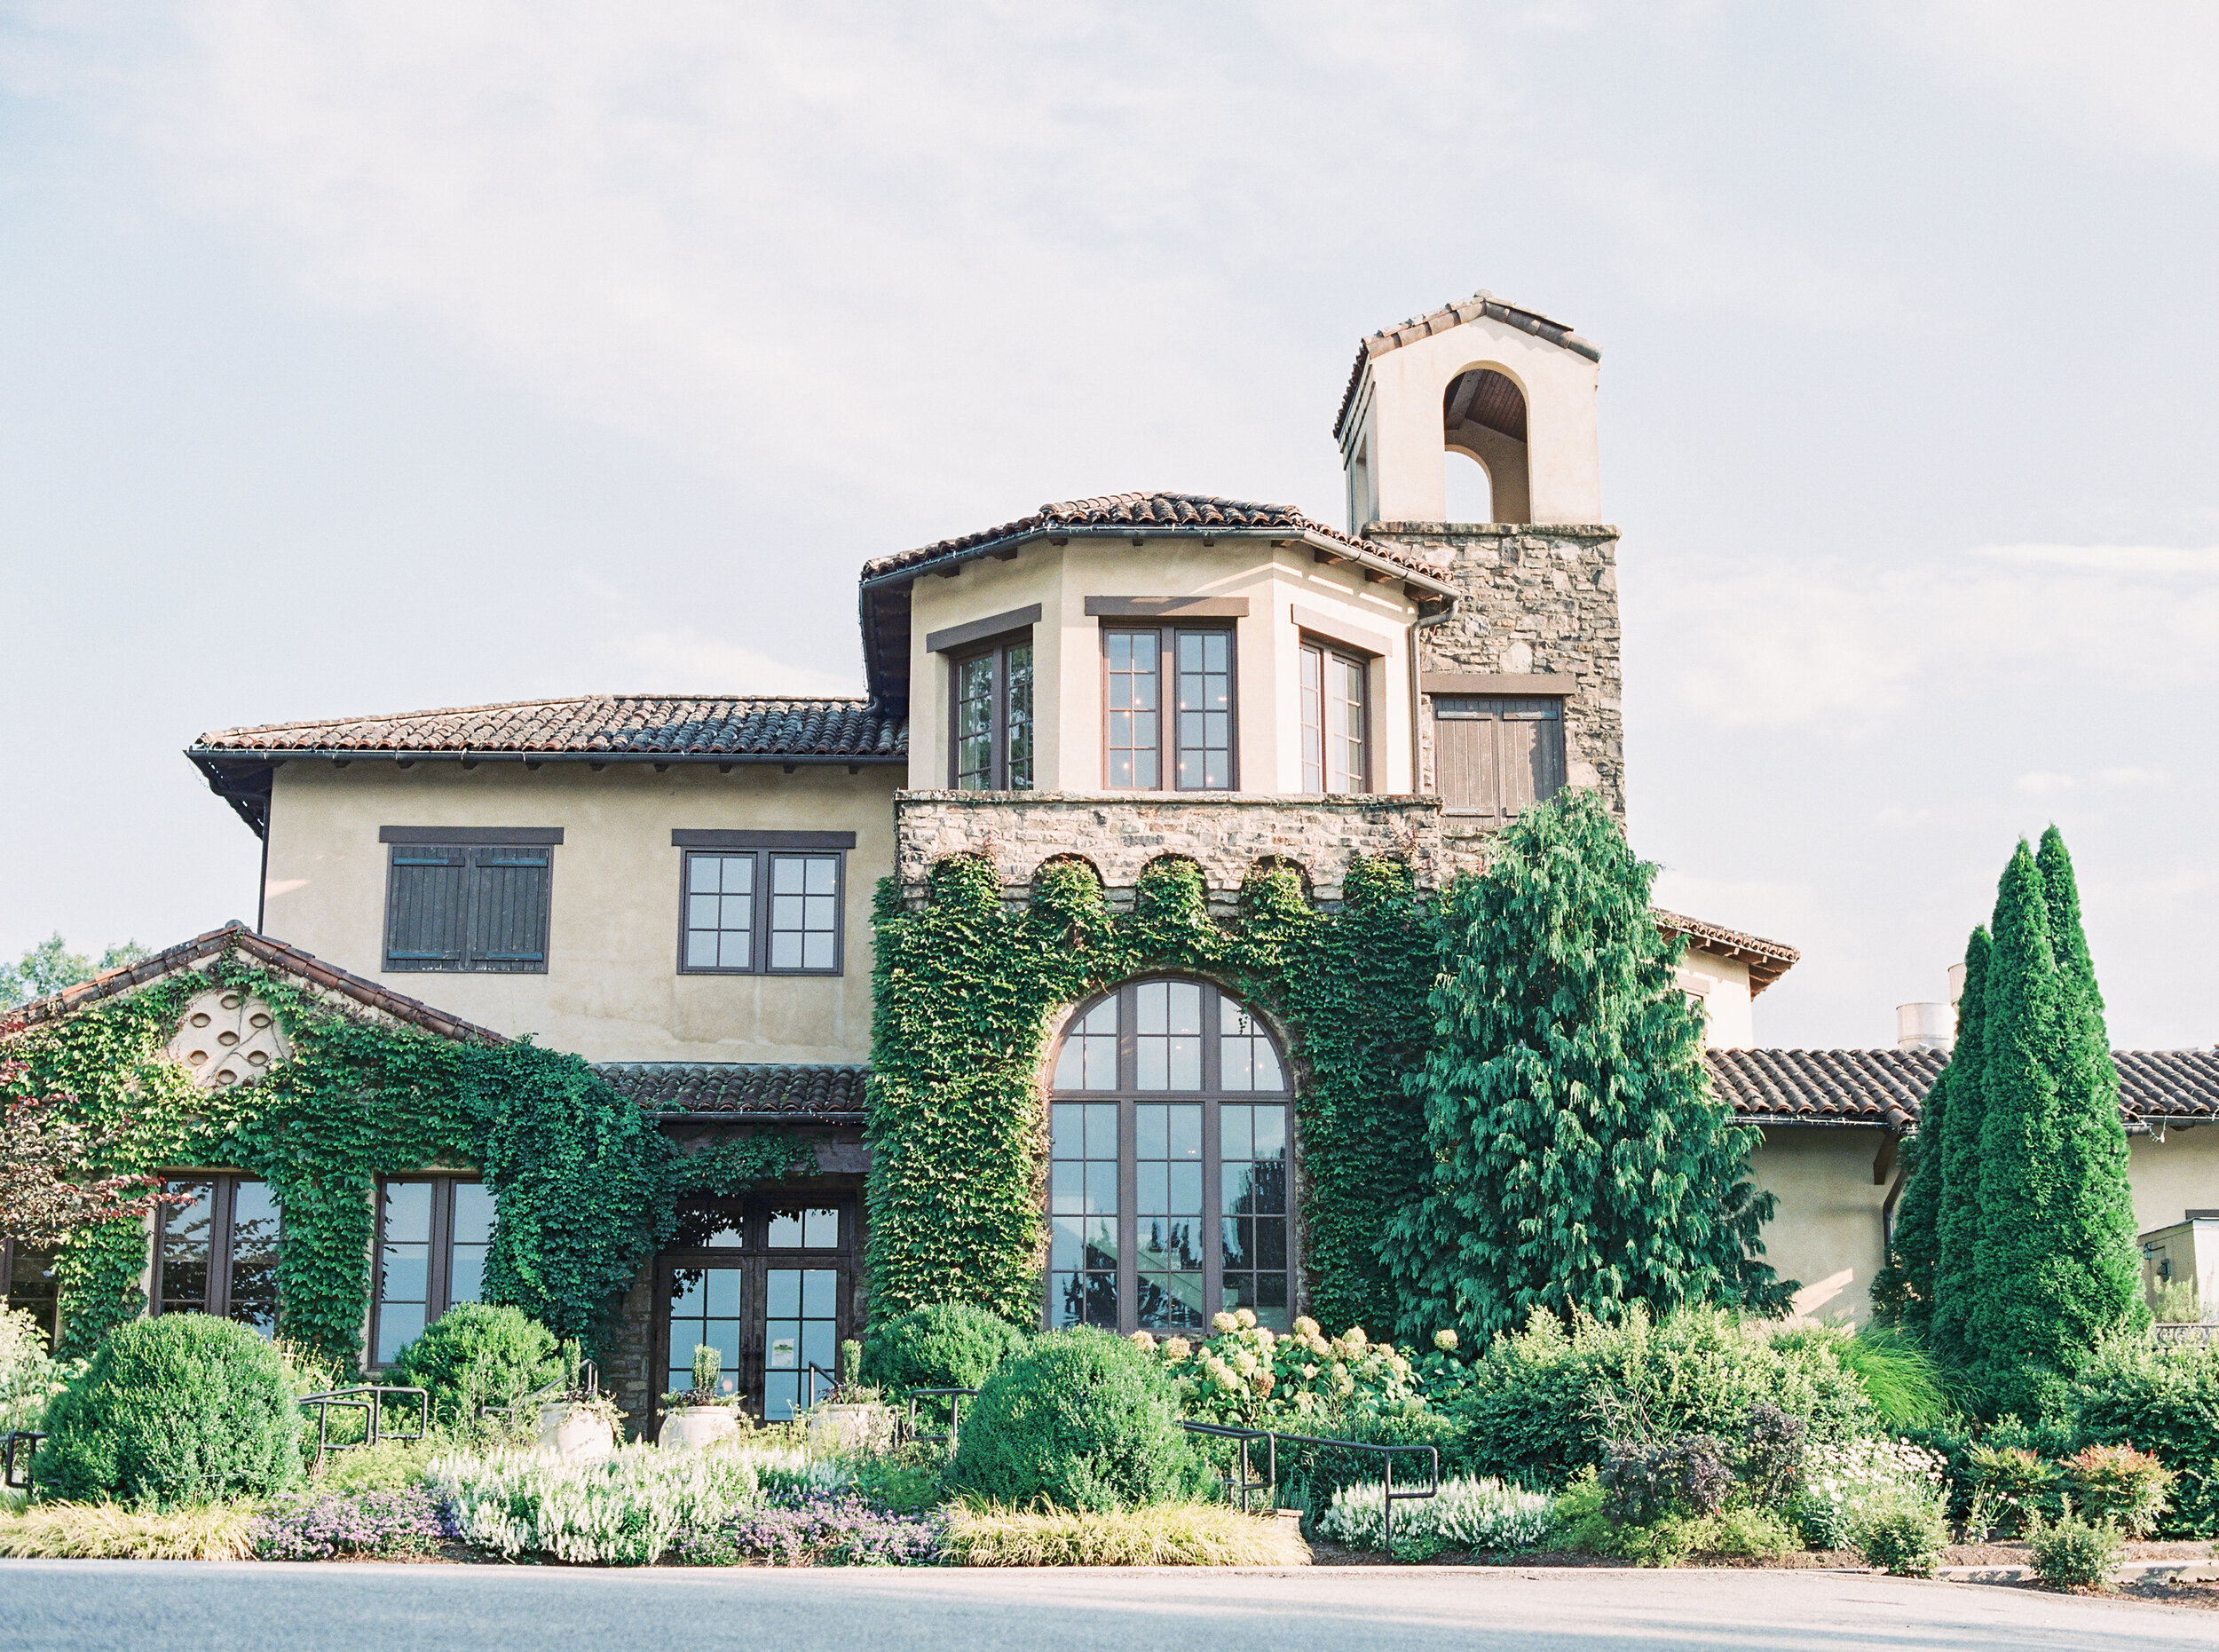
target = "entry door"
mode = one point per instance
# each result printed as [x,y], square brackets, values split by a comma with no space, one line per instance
[768,1285]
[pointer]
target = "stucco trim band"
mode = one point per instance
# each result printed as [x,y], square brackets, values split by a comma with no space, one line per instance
[1167,607]
[497,836]
[684,838]
[978,630]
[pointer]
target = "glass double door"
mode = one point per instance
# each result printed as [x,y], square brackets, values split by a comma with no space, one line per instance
[772,1293]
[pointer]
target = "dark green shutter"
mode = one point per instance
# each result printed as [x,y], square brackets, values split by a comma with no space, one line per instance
[425,902]
[508,913]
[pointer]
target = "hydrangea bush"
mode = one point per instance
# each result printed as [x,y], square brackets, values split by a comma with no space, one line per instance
[322,1526]
[1843,1485]
[1247,1375]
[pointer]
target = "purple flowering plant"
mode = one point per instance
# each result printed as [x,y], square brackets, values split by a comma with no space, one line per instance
[820,1529]
[321,1526]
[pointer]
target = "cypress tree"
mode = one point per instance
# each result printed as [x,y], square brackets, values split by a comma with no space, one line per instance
[1578,1159]
[2052,1275]
[1955,1158]
[1903,1290]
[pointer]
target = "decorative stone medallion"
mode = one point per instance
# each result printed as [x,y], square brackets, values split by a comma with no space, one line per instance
[226,1037]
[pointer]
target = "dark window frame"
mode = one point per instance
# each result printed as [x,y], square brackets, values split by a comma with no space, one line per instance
[1496,712]
[216,1294]
[752,1257]
[47,1306]
[1213,1097]
[439,1261]
[759,945]
[1330,652]
[1167,633]
[473,851]
[997,648]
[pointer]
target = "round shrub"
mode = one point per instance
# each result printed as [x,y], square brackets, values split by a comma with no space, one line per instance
[948,1345]
[181,1409]
[476,1353]
[1905,1532]
[2070,1552]
[1080,1421]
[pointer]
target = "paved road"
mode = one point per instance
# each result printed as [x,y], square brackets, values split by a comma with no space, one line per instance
[92,1605]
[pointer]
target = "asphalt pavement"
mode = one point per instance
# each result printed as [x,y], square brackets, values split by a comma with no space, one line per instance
[92,1605]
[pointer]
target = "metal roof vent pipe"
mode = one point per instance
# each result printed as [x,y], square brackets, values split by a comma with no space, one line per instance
[1956,983]
[1924,1027]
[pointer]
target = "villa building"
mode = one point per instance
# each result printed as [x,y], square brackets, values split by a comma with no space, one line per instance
[680,888]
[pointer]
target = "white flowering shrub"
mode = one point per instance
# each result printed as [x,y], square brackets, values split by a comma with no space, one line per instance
[1248,1374]
[622,1511]
[1467,1514]
[1844,1484]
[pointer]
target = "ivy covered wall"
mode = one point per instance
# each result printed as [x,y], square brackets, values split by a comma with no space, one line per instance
[965,989]
[585,1187]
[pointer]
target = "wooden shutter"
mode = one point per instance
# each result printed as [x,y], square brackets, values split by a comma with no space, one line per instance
[1465,753]
[507,909]
[426,898]
[1533,753]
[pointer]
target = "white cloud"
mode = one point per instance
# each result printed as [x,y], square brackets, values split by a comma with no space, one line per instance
[2138,75]
[1765,643]
[686,662]
[2044,783]
[2108,558]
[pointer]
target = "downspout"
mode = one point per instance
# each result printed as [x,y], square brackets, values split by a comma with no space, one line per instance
[1887,1211]
[262,889]
[1424,622]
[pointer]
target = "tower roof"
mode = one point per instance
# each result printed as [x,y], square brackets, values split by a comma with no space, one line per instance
[1456,314]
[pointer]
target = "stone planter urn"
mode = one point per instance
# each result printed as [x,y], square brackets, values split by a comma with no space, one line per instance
[843,1426]
[575,1434]
[690,1427]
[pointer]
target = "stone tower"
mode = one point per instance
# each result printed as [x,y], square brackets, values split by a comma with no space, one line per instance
[1536,617]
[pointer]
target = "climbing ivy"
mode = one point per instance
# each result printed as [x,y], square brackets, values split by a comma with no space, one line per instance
[965,989]
[585,1187]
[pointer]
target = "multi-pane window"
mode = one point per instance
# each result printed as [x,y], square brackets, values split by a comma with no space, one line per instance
[217,1253]
[32,1285]
[457,900]
[1169,1135]
[762,909]
[1496,755]
[765,1283]
[1334,723]
[432,1235]
[1194,745]
[993,733]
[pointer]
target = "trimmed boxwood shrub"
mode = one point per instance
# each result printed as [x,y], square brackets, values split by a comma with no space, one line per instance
[474,1353]
[1539,1405]
[181,1409]
[1080,1421]
[948,1345]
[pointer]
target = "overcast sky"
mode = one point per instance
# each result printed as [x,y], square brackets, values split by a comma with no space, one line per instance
[360,358]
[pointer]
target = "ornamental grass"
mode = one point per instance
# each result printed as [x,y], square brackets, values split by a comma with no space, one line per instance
[1161,1534]
[112,1531]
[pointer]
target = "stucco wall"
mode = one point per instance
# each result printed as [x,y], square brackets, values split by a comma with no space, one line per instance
[1066,648]
[2173,1174]
[612,991]
[1721,987]
[1825,1231]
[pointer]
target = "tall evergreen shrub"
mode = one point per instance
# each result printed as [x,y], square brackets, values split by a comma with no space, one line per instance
[1957,1197]
[1578,1159]
[2056,1269]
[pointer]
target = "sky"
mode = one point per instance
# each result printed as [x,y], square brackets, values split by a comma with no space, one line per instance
[368,359]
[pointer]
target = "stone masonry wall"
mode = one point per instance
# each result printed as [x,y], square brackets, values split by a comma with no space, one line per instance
[1538,599]
[1121,833]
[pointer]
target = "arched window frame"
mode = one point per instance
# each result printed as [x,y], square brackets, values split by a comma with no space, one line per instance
[1123,1131]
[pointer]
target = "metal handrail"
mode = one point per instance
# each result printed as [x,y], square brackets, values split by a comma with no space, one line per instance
[369,1399]
[1244,1485]
[588,1373]
[28,1438]
[954,1398]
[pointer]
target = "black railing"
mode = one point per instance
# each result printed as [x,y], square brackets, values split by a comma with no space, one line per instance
[954,1398]
[588,1378]
[1242,1482]
[13,1477]
[369,1399]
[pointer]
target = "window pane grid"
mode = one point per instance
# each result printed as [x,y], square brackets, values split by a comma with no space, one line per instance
[758,910]
[804,912]
[974,724]
[1167,1203]
[1252,1172]
[1135,739]
[1205,710]
[719,911]
[1083,1214]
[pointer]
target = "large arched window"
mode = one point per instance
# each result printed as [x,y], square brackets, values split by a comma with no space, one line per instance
[1170,1123]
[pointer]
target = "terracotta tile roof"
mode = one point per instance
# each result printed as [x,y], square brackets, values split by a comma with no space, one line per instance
[1194,513]
[1457,314]
[1877,1087]
[1889,1087]
[273,954]
[594,725]
[1767,961]
[828,1094]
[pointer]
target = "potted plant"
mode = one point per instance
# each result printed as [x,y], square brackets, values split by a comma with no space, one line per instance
[855,1419]
[706,1414]
[578,1423]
